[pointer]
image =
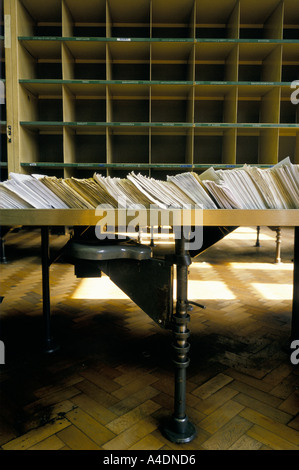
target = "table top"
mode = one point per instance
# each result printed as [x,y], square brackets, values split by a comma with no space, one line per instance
[176,217]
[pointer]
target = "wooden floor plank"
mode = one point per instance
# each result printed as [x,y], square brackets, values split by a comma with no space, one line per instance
[257,394]
[149,442]
[246,443]
[131,436]
[53,398]
[277,428]
[271,412]
[294,423]
[127,404]
[212,386]
[7,433]
[228,434]
[102,414]
[221,416]
[270,439]
[36,435]
[291,403]
[51,443]
[75,439]
[89,426]
[134,386]
[127,420]
[210,404]
[94,392]
[97,378]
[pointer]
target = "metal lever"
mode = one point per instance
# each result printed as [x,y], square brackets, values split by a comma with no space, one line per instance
[195,303]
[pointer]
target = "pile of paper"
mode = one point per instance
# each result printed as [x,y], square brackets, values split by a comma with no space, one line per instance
[10,200]
[64,191]
[122,191]
[191,185]
[244,189]
[222,195]
[32,191]
[163,194]
[279,185]
[287,177]
[93,191]
[254,188]
[248,187]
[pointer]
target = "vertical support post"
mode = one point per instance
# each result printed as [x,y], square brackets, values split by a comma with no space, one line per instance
[2,251]
[179,429]
[278,244]
[2,245]
[257,243]
[45,259]
[295,312]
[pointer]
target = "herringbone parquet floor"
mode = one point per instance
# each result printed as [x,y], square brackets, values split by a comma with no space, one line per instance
[111,382]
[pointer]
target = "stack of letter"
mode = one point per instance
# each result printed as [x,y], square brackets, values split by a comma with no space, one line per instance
[248,187]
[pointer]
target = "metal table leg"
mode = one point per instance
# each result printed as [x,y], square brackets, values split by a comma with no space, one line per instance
[179,429]
[50,347]
[3,232]
[278,245]
[257,243]
[295,314]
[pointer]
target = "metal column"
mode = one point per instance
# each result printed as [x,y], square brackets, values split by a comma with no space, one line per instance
[179,429]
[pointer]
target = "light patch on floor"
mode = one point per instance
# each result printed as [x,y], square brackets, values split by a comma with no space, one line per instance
[99,288]
[245,233]
[263,266]
[209,290]
[274,291]
[198,266]
[103,288]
